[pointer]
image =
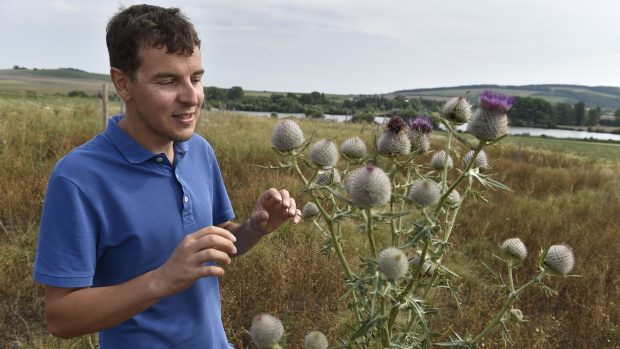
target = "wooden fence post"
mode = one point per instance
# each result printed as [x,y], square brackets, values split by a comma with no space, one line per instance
[104,100]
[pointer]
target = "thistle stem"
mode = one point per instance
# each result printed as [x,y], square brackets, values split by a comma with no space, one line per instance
[412,282]
[335,241]
[511,298]
[461,177]
[444,171]
[298,170]
[369,232]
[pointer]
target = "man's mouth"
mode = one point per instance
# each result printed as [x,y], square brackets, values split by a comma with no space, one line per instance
[183,116]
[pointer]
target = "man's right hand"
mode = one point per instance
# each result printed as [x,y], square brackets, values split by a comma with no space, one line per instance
[186,264]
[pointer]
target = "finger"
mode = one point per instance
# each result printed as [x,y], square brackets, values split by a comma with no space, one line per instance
[267,198]
[297,217]
[286,198]
[292,208]
[211,254]
[213,230]
[211,270]
[214,241]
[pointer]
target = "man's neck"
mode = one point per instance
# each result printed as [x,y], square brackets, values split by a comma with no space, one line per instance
[136,132]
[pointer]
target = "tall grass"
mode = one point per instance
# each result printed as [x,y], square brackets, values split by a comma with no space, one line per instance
[556,198]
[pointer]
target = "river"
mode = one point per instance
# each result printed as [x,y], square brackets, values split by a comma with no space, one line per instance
[532,131]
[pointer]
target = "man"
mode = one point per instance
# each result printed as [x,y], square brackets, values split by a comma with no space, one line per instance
[136,224]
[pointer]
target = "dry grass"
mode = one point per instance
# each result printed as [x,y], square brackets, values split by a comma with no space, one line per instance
[556,198]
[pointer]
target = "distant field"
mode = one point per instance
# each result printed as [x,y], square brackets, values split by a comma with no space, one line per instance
[52,81]
[605,152]
[604,97]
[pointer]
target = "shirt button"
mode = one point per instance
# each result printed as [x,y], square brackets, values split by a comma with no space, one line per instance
[186,199]
[160,159]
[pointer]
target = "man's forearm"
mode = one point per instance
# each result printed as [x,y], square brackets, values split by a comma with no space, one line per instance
[74,312]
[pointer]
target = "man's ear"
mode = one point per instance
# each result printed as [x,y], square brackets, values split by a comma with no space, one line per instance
[122,83]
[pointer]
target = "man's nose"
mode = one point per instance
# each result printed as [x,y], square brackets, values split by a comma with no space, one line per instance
[188,93]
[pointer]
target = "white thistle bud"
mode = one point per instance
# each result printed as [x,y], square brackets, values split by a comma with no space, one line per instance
[427,268]
[439,159]
[390,143]
[514,248]
[324,153]
[354,148]
[482,161]
[425,192]
[560,259]
[368,186]
[393,263]
[514,315]
[315,340]
[286,135]
[454,199]
[309,211]
[266,330]
[457,110]
[488,125]
[420,141]
[328,177]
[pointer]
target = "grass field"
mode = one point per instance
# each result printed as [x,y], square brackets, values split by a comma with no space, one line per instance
[562,192]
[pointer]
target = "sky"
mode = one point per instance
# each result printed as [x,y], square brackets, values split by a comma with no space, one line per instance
[345,46]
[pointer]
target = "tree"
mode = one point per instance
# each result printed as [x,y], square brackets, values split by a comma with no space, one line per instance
[214,93]
[580,113]
[594,116]
[617,113]
[235,92]
[565,114]
[313,112]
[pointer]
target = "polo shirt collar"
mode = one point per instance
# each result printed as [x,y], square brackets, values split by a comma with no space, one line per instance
[132,150]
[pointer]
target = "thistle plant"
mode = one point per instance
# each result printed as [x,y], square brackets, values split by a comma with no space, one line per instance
[266,331]
[407,210]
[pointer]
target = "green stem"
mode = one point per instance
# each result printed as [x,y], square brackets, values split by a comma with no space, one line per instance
[402,207]
[444,172]
[412,282]
[511,298]
[369,232]
[335,241]
[464,174]
[298,170]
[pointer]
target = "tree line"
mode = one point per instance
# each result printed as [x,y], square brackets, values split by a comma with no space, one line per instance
[316,104]
[526,111]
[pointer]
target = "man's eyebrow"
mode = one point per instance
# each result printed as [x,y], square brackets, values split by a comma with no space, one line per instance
[164,75]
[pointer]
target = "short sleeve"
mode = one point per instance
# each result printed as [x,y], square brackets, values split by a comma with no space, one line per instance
[67,245]
[222,208]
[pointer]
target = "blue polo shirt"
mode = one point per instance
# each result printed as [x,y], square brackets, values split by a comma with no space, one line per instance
[114,211]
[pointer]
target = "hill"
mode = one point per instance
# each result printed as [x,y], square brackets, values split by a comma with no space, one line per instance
[64,80]
[60,80]
[606,97]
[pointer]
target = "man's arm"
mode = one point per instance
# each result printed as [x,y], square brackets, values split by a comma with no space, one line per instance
[72,312]
[271,210]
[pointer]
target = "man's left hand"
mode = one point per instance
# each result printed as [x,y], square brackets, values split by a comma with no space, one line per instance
[273,208]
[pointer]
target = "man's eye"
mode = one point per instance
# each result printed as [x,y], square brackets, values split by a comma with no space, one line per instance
[166,82]
[196,81]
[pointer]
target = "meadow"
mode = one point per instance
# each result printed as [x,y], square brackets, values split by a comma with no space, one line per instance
[562,192]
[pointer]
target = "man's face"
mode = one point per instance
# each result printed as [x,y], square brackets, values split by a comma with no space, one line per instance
[166,96]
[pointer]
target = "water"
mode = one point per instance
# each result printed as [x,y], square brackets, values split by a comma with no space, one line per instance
[532,131]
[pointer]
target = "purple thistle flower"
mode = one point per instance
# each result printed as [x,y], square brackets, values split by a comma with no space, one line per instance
[396,124]
[421,124]
[497,102]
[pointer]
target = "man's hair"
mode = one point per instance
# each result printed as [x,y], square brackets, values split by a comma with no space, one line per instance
[145,26]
